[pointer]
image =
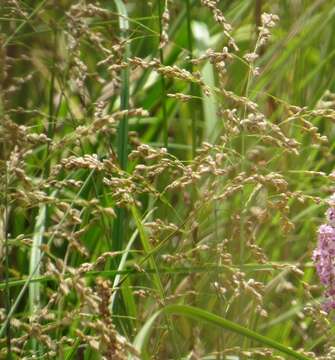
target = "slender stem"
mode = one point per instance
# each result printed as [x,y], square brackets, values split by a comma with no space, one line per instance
[122,134]
[161,58]
[42,217]
[194,147]
[4,235]
[124,97]
[7,289]
[190,50]
[243,146]
[51,121]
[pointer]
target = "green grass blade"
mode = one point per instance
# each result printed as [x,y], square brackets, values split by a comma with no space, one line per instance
[122,132]
[4,213]
[152,264]
[190,69]
[197,314]
[147,249]
[123,262]
[35,264]
[35,259]
[209,105]
[123,125]
[162,270]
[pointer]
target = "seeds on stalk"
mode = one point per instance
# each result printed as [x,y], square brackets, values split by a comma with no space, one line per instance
[180,96]
[165,20]
[220,18]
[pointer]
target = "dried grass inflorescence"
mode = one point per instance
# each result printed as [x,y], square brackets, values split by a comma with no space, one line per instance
[198,229]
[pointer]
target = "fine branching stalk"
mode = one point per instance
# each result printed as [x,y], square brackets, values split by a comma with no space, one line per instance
[42,216]
[194,145]
[190,51]
[122,134]
[4,222]
[117,282]
[35,264]
[119,232]
[163,85]
[7,257]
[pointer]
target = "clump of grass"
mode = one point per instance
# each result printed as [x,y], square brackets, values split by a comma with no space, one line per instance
[152,165]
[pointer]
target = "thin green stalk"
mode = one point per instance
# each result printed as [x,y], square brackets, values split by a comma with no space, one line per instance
[176,270]
[4,212]
[243,161]
[194,147]
[122,133]
[190,51]
[124,98]
[7,288]
[42,217]
[161,57]
[156,275]
[253,317]
[172,31]
[35,264]
[51,120]
[123,262]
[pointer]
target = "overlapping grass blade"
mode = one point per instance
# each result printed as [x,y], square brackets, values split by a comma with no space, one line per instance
[197,314]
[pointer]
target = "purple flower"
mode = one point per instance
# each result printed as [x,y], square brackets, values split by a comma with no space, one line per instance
[329,304]
[324,256]
[331,216]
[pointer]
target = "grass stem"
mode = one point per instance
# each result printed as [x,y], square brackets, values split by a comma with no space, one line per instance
[122,133]
[190,69]
[163,85]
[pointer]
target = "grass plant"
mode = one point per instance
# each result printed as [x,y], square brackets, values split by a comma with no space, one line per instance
[164,168]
